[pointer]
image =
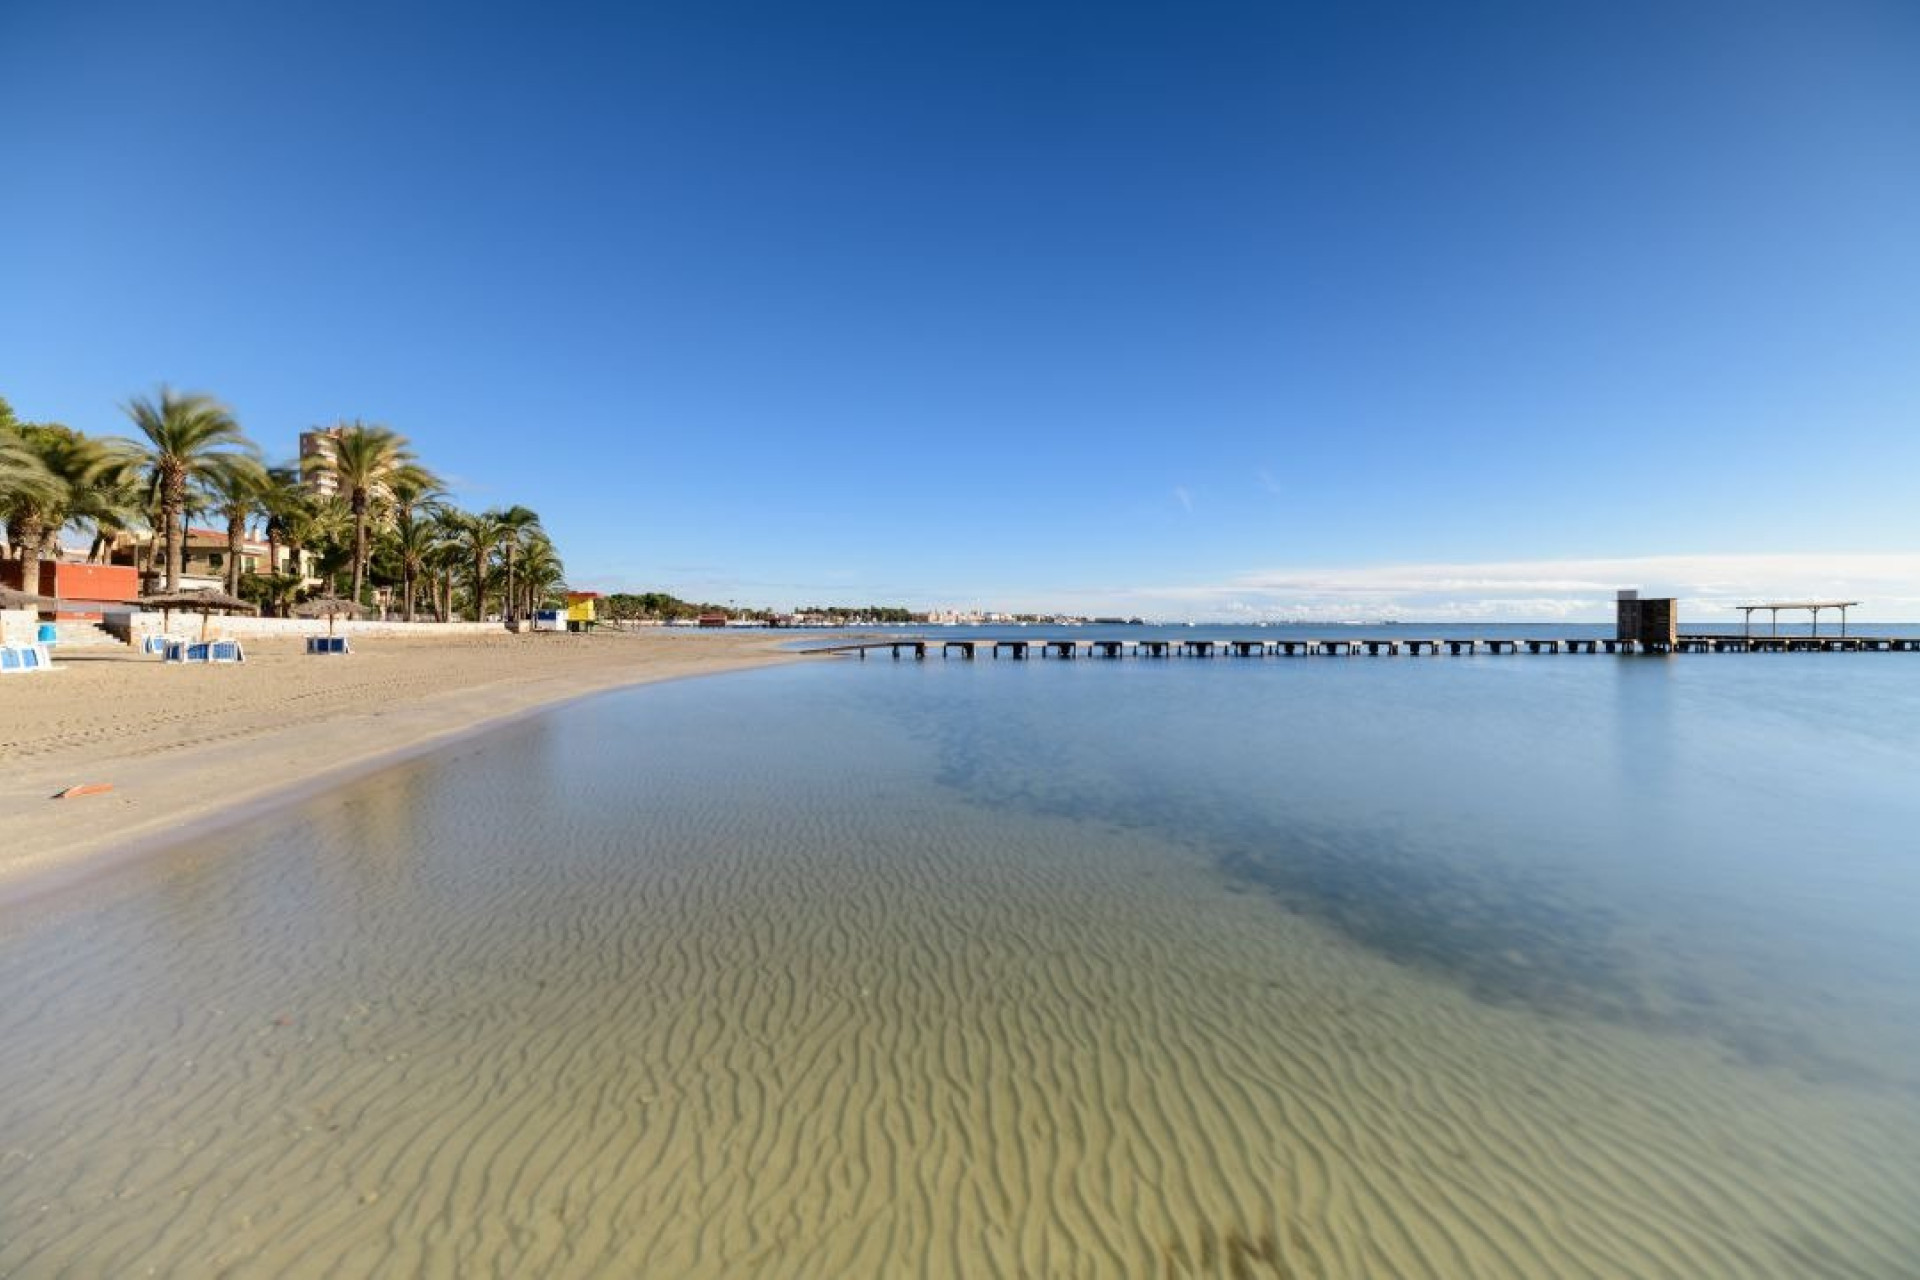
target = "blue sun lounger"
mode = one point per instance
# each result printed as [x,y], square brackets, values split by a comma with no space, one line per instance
[328,644]
[207,651]
[23,658]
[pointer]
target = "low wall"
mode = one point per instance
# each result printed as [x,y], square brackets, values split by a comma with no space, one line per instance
[132,627]
[19,626]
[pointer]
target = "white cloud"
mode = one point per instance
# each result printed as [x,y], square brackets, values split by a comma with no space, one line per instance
[1183,496]
[1887,584]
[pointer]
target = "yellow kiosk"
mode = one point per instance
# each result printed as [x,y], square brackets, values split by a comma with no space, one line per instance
[580,610]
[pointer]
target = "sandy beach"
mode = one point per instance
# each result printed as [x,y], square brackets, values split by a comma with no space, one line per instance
[183,747]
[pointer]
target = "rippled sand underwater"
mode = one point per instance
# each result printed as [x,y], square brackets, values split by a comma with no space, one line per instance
[711,980]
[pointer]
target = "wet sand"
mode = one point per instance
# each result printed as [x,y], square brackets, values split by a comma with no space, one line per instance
[183,747]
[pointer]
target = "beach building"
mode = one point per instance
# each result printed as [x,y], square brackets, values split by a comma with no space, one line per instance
[84,590]
[203,558]
[316,449]
[581,610]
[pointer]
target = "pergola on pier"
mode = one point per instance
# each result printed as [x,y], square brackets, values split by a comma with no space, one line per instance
[1814,606]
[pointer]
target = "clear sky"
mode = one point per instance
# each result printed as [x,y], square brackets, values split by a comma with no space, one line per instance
[1184,309]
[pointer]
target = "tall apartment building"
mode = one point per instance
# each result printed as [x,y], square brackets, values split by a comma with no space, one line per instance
[315,445]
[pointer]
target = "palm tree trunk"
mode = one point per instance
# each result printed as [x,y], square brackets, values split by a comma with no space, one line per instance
[170,515]
[236,531]
[512,608]
[294,562]
[359,543]
[25,535]
[479,586]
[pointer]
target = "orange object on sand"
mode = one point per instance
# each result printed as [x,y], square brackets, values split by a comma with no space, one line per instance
[84,789]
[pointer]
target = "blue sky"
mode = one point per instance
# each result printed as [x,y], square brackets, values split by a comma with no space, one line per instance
[1185,310]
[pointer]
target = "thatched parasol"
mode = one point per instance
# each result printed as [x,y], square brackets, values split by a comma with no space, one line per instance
[200,602]
[11,599]
[329,607]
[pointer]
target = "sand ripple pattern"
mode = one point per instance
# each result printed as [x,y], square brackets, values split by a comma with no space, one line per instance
[513,1012]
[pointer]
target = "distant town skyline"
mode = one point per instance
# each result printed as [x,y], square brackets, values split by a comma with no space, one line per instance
[1186,312]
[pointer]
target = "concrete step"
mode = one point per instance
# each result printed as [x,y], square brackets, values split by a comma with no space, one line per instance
[86,635]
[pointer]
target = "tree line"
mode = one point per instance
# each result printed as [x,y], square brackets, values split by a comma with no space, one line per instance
[366,509]
[658,606]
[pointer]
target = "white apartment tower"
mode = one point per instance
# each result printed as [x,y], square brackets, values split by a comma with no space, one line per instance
[315,445]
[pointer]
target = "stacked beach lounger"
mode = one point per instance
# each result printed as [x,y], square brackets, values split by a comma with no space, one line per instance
[198,651]
[21,658]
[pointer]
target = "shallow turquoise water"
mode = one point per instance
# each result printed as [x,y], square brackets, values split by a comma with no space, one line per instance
[1690,884]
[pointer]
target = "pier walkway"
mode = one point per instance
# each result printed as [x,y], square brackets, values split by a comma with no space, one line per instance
[1372,646]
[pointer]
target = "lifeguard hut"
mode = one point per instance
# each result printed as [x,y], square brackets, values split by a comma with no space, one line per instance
[580,610]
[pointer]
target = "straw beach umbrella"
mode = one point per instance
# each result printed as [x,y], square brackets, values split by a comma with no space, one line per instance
[329,607]
[200,602]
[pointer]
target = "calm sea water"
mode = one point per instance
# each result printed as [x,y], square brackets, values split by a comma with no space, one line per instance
[1701,845]
[1693,883]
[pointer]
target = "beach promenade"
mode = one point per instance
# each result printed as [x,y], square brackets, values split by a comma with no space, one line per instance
[186,746]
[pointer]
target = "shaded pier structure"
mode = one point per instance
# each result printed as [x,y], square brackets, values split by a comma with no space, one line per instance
[1814,607]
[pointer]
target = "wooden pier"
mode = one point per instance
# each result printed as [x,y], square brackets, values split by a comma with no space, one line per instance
[1371,646]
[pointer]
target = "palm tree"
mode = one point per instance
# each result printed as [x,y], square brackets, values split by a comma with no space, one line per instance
[415,497]
[116,502]
[413,540]
[238,490]
[188,437]
[24,478]
[363,461]
[275,591]
[69,464]
[541,573]
[283,492]
[311,523]
[512,526]
[414,488]
[445,556]
[476,536]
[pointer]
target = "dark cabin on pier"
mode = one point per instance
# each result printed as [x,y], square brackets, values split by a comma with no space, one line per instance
[1654,624]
